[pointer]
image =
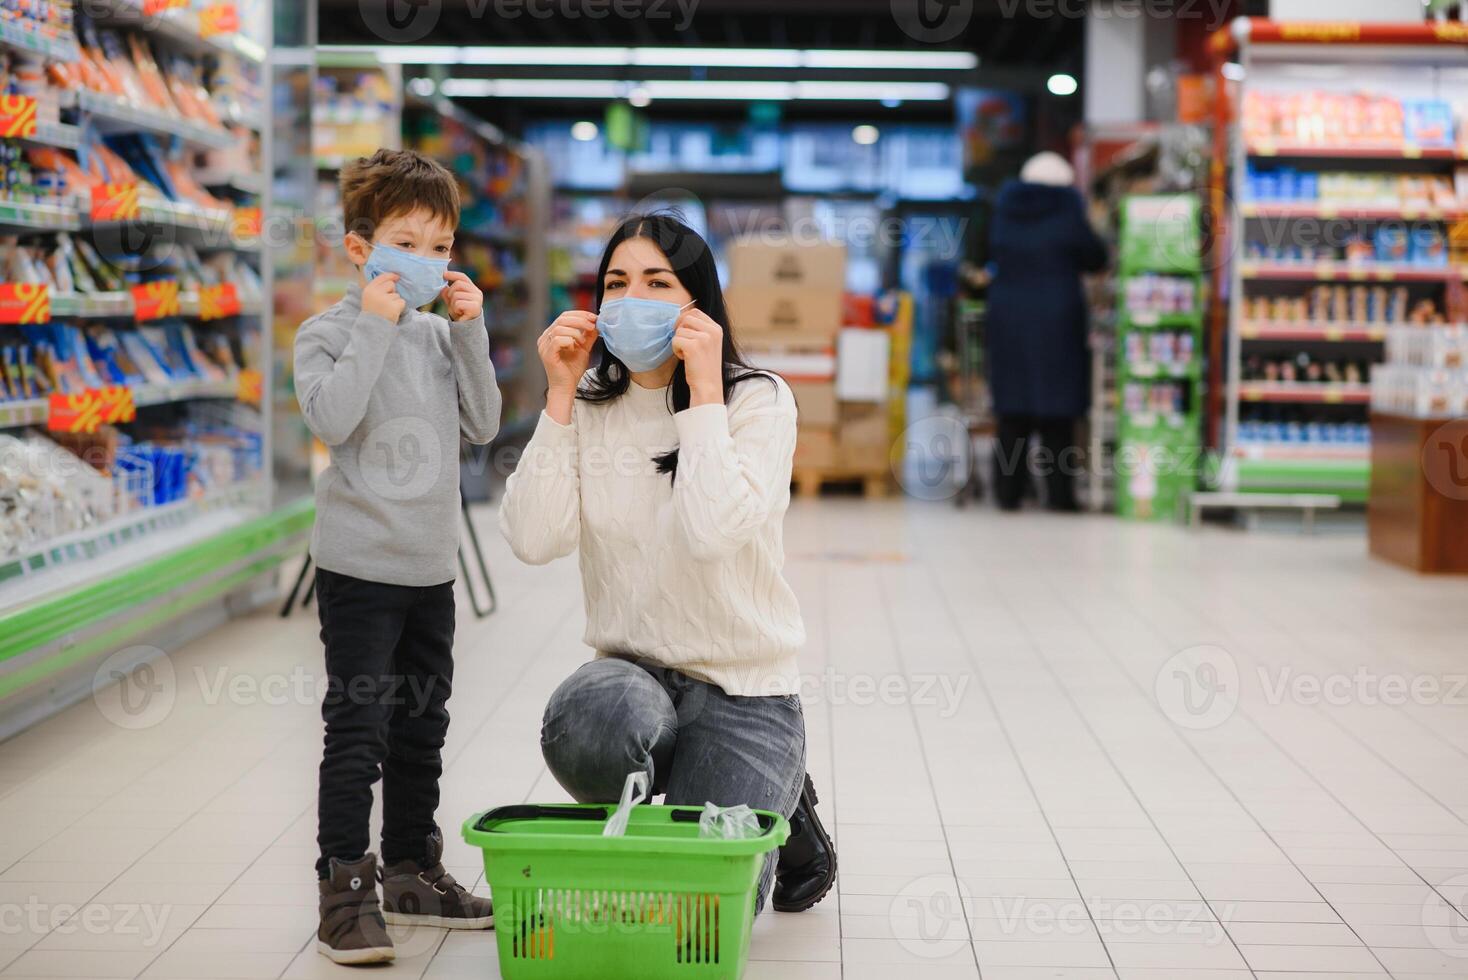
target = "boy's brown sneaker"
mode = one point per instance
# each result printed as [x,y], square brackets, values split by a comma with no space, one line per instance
[422,893]
[352,930]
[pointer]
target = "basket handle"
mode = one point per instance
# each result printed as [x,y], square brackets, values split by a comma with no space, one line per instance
[766,822]
[532,811]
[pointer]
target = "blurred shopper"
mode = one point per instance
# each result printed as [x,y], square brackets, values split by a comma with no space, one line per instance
[667,466]
[1039,366]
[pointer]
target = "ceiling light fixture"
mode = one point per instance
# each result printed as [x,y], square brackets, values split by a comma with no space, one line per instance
[585,131]
[865,135]
[562,56]
[1062,84]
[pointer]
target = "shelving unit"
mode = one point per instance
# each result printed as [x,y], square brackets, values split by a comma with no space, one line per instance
[161,572]
[1159,354]
[1305,295]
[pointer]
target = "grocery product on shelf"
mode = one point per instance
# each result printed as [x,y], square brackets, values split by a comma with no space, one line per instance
[1355,119]
[1159,341]
[1346,188]
[1303,367]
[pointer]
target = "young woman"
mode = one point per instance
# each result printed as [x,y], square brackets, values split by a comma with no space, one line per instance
[668,467]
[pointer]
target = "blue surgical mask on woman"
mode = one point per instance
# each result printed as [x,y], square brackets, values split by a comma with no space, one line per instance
[420,279]
[639,332]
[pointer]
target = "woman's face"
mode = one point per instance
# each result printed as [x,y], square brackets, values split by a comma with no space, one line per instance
[638,268]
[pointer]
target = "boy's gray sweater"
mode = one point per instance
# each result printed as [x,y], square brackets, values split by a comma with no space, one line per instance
[391,400]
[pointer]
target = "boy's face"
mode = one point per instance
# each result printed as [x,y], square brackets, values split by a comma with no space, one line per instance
[418,231]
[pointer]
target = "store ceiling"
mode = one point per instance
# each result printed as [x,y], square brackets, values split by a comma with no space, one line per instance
[999,31]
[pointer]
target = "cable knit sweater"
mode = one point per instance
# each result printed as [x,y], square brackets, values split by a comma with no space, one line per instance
[684,571]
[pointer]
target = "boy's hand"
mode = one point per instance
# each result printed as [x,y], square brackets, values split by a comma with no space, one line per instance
[380,297]
[465,300]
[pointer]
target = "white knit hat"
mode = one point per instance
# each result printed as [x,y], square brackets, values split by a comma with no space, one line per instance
[1048,168]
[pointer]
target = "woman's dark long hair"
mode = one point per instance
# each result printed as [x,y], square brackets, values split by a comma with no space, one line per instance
[691,260]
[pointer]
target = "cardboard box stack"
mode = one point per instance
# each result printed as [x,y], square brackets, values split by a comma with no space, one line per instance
[790,317]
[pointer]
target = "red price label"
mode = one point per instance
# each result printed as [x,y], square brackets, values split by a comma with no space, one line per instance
[80,412]
[250,387]
[24,302]
[247,223]
[155,300]
[115,404]
[115,202]
[219,18]
[152,8]
[17,115]
[216,302]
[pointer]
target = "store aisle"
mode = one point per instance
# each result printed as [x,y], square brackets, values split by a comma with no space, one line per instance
[1023,784]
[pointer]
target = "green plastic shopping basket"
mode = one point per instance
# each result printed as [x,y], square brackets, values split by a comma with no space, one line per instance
[659,902]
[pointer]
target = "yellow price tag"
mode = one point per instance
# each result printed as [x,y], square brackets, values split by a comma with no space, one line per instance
[1333,334]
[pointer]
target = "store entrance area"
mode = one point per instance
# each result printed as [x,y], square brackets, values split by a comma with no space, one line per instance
[1046,746]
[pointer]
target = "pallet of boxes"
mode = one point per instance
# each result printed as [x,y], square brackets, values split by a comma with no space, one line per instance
[789,310]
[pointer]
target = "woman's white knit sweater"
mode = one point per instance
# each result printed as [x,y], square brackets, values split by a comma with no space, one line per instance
[686,572]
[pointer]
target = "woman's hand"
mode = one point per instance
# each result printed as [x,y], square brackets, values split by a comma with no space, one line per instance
[699,342]
[565,350]
[465,300]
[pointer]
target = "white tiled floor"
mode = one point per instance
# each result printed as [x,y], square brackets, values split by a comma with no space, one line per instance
[1050,747]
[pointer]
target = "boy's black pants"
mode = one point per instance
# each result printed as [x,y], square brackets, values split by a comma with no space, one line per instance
[389,666]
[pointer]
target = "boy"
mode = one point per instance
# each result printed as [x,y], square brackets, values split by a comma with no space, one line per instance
[390,389]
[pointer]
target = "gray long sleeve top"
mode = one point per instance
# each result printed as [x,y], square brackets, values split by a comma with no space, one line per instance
[391,401]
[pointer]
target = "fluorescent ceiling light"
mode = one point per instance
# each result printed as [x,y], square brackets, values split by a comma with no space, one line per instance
[961,60]
[556,57]
[718,57]
[692,90]
[875,91]
[705,89]
[550,57]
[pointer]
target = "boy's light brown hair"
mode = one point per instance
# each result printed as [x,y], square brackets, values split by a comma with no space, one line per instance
[394,182]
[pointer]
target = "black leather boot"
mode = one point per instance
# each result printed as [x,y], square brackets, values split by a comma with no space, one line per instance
[806,869]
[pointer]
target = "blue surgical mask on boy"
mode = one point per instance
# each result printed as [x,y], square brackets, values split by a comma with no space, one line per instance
[420,279]
[639,332]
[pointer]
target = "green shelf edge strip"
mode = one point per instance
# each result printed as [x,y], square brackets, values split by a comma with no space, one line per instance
[52,619]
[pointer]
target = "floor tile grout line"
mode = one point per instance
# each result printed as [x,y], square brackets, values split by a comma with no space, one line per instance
[927,764]
[1222,782]
[1018,761]
[1345,808]
[1396,709]
[1127,783]
[824,592]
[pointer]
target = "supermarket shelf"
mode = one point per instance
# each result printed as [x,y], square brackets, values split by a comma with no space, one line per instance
[114,304]
[109,114]
[1329,211]
[64,135]
[13,37]
[1303,452]
[1304,392]
[88,543]
[1151,319]
[1341,271]
[1305,151]
[18,215]
[33,411]
[1348,478]
[1322,332]
[491,236]
[1154,420]
[126,593]
[179,27]
[1152,369]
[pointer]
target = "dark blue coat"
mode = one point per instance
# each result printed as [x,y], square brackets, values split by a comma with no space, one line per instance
[1039,244]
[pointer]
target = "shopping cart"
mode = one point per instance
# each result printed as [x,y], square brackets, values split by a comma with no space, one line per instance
[969,390]
[658,903]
